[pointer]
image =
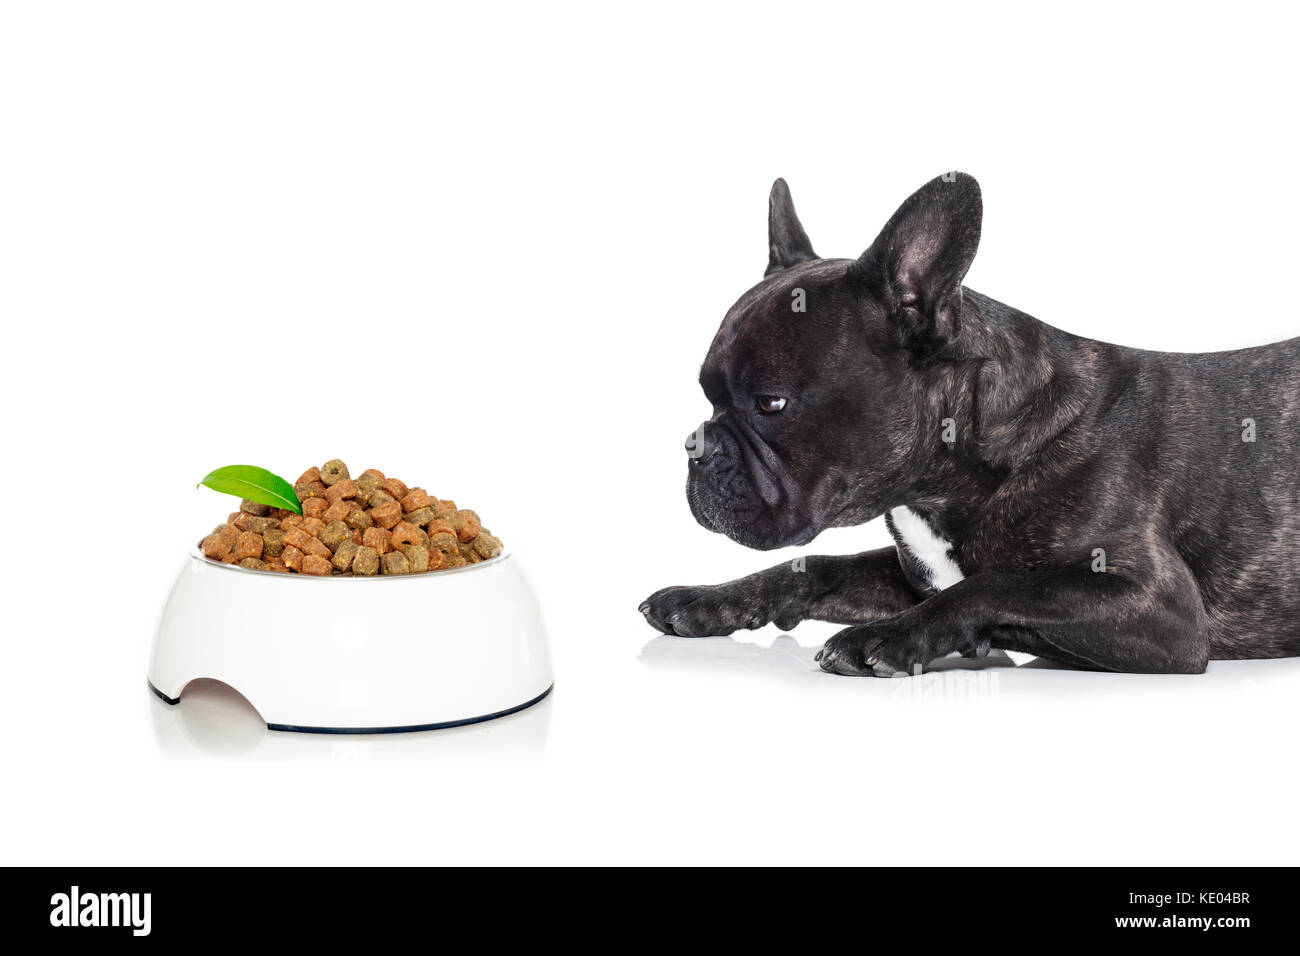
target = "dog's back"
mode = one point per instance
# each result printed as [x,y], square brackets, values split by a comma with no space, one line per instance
[1221,457]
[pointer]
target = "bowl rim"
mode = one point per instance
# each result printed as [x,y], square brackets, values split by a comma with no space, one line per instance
[196,553]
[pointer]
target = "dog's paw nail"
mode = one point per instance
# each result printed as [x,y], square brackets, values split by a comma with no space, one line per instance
[872,661]
[673,618]
[644,608]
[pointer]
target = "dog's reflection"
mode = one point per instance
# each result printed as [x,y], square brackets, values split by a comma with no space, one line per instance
[787,659]
[783,655]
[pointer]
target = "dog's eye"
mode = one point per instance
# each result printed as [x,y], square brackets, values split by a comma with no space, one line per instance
[771,404]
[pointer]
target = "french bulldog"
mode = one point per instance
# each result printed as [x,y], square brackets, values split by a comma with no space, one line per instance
[1101,506]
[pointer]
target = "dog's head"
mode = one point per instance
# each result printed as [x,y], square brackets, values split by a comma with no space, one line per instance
[817,373]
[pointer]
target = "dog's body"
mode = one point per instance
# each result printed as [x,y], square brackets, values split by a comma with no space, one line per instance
[1102,506]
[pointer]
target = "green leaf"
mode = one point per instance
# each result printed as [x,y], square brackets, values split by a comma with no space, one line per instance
[255,484]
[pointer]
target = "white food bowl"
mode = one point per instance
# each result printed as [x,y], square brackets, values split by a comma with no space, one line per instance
[357,655]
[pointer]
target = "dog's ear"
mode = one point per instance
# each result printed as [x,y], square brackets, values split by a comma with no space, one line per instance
[917,263]
[787,243]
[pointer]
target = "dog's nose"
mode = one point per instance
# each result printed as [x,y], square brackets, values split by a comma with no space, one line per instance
[697,447]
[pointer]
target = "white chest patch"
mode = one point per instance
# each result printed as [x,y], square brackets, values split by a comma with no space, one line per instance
[932,552]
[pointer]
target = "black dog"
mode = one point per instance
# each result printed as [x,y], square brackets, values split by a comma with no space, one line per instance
[1102,506]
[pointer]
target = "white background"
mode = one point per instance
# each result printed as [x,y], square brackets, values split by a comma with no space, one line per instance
[484,249]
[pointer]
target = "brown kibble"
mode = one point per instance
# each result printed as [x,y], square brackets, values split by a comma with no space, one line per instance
[365,526]
[358,519]
[386,515]
[248,545]
[292,558]
[487,546]
[395,488]
[340,490]
[314,564]
[216,546]
[445,542]
[417,557]
[334,534]
[272,543]
[470,526]
[366,561]
[310,489]
[366,486]
[337,511]
[438,525]
[420,517]
[404,534]
[318,547]
[302,541]
[312,525]
[414,500]
[376,538]
[344,554]
[334,471]
[396,563]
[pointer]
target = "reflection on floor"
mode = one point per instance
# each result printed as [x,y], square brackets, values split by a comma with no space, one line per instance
[214,720]
[787,660]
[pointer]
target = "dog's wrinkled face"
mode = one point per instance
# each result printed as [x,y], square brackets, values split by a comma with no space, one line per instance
[814,373]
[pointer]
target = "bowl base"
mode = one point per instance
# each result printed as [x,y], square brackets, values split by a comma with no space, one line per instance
[406,729]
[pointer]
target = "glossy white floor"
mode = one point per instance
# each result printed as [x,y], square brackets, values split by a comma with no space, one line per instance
[741,750]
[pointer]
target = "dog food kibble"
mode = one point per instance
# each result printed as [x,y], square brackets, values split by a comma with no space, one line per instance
[395,562]
[315,564]
[417,557]
[344,555]
[332,472]
[346,488]
[248,545]
[470,526]
[366,561]
[404,534]
[376,538]
[356,527]
[273,542]
[387,514]
[292,558]
[312,525]
[335,534]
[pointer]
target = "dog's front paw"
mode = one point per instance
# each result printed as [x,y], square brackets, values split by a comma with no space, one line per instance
[704,611]
[872,650]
